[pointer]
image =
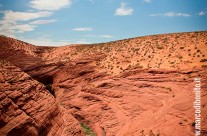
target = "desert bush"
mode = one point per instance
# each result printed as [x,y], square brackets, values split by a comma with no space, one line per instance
[160,47]
[168,88]
[172,62]
[180,57]
[203,60]
[204,66]
[139,66]
[181,123]
[193,124]
[193,36]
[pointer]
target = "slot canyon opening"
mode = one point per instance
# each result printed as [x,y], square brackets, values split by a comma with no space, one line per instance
[47,80]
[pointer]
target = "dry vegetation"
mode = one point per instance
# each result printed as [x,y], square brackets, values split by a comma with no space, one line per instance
[169,51]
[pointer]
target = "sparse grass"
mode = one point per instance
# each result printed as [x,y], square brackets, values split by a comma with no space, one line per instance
[87,130]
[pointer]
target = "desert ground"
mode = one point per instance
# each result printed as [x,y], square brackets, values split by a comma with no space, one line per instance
[140,86]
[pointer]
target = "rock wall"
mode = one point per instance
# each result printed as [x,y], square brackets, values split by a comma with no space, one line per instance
[27,108]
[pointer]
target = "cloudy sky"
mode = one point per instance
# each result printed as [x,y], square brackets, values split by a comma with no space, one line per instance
[63,22]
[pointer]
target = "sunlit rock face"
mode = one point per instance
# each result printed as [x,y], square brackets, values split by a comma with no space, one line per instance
[138,86]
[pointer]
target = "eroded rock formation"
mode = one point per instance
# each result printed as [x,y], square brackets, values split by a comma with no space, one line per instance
[134,87]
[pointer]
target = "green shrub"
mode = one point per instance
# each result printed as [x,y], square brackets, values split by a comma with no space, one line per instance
[49,88]
[87,130]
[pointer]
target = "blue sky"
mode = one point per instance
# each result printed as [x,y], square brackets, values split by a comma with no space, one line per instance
[63,22]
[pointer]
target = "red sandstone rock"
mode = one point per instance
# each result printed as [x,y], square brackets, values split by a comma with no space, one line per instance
[27,108]
[139,86]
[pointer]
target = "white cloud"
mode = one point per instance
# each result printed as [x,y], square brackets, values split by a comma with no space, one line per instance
[44,42]
[106,36]
[202,13]
[7,32]
[10,28]
[13,22]
[17,22]
[92,1]
[83,29]
[123,10]
[40,22]
[82,41]
[21,28]
[148,1]
[102,36]
[172,14]
[11,16]
[50,4]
